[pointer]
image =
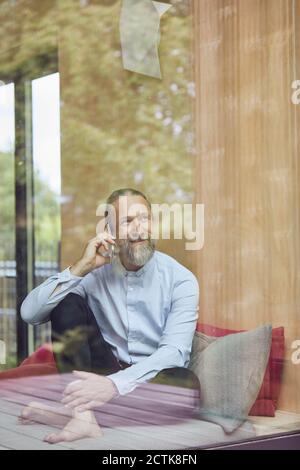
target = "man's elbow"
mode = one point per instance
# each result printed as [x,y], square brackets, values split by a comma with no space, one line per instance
[184,358]
[179,356]
[26,313]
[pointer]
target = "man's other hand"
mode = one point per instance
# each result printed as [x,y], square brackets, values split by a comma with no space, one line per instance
[90,391]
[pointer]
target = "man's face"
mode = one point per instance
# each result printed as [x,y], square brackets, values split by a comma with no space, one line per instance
[133,229]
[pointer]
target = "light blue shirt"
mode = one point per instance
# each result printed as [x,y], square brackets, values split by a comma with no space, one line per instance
[148,316]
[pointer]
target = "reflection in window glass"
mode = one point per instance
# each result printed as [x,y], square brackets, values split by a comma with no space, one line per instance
[47,180]
[192,102]
[7,224]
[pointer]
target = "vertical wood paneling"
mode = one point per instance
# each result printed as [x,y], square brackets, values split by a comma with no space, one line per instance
[246,57]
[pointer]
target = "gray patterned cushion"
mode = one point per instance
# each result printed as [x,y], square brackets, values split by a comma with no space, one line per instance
[231,371]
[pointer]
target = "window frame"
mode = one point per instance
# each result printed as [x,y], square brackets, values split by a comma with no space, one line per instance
[37,67]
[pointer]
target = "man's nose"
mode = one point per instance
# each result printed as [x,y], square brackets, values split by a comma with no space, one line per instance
[135,229]
[136,225]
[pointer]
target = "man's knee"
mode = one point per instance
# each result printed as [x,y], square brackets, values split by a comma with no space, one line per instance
[178,376]
[69,313]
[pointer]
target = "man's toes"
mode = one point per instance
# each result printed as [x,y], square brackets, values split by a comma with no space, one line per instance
[23,420]
[24,417]
[48,438]
[53,438]
[63,436]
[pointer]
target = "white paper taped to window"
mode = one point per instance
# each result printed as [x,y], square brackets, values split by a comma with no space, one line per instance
[140,35]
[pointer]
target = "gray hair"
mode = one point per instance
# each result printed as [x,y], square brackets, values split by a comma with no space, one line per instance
[124,192]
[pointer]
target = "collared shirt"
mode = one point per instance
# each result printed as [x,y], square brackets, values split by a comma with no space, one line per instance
[148,316]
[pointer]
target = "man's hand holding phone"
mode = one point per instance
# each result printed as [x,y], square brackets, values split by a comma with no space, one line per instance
[95,254]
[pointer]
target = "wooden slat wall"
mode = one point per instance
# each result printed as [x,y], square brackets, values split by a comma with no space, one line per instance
[246,54]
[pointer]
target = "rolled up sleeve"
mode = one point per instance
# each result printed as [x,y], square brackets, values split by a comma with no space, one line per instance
[39,303]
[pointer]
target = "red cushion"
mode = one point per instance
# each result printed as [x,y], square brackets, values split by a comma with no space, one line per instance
[40,362]
[43,355]
[266,401]
[263,407]
[28,370]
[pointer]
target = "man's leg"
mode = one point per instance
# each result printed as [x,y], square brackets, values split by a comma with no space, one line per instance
[78,344]
[77,340]
[178,376]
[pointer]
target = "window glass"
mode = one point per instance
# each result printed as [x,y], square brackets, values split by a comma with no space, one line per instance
[47,182]
[7,225]
[194,103]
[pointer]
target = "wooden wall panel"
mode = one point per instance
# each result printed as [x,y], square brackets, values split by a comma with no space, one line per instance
[246,56]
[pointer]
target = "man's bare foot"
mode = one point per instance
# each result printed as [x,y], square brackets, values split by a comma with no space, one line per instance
[37,412]
[81,426]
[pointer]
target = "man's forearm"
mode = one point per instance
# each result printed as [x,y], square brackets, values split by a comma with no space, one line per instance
[165,357]
[80,268]
[56,290]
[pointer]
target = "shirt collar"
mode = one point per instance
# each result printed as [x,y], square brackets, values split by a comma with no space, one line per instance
[137,273]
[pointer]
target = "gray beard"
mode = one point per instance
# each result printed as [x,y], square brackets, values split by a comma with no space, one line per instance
[139,255]
[136,256]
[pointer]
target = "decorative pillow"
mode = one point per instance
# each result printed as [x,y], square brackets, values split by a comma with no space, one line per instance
[231,371]
[40,362]
[266,402]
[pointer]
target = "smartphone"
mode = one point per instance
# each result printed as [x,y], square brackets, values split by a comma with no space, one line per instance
[111,248]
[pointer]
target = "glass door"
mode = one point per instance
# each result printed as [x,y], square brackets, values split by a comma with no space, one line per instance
[7,227]
[46,183]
